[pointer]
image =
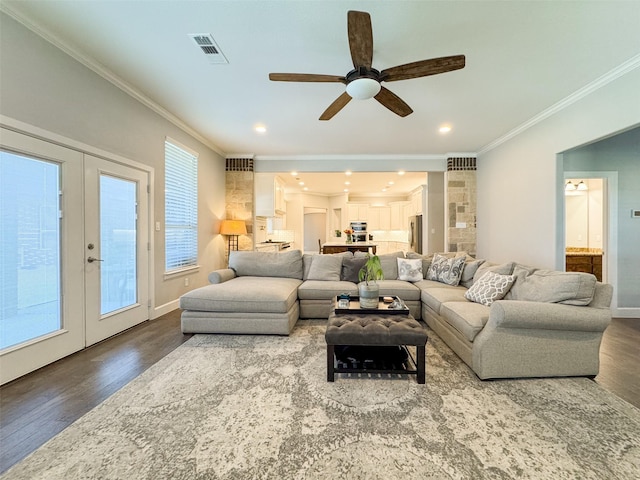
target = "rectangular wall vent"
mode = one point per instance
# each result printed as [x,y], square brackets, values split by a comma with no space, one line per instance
[239,164]
[209,47]
[461,163]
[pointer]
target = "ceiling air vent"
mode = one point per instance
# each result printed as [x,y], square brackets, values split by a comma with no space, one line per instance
[209,47]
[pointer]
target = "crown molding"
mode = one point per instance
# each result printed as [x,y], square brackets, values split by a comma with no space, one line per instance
[610,76]
[108,75]
[357,157]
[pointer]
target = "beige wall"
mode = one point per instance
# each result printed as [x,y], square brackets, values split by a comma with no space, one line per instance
[42,86]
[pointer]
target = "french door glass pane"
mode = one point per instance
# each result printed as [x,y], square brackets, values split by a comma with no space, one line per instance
[118,239]
[30,277]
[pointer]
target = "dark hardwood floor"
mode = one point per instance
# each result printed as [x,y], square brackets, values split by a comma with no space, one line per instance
[40,405]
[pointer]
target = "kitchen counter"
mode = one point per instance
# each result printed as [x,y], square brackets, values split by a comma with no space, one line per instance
[338,247]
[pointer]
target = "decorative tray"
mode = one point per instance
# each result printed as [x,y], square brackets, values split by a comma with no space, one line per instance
[383,307]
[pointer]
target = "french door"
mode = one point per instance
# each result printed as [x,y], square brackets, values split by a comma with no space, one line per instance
[116,248]
[74,256]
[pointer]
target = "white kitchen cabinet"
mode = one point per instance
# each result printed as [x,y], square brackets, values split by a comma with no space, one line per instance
[379,219]
[357,212]
[269,195]
[416,202]
[398,215]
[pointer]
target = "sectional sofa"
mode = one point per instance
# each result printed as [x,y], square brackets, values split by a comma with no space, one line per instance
[503,320]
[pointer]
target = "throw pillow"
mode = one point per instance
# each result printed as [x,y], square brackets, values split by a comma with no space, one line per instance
[426,260]
[471,266]
[325,267]
[390,265]
[351,267]
[489,288]
[446,270]
[410,270]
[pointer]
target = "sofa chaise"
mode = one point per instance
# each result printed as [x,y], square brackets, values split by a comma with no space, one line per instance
[503,320]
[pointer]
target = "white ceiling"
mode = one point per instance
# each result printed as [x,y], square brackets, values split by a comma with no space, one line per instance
[522,58]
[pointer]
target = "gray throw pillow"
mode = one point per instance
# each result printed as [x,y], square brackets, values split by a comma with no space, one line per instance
[489,288]
[325,267]
[426,260]
[471,266]
[389,265]
[446,270]
[351,267]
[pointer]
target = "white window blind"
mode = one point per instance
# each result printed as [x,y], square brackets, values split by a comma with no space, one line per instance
[181,207]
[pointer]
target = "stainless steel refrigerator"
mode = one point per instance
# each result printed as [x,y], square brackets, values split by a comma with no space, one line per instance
[415,233]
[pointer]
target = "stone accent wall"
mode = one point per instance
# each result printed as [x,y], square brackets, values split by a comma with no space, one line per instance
[461,209]
[239,203]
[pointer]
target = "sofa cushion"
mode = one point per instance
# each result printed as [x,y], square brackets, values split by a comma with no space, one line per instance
[489,288]
[446,270]
[471,266]
[390,264]
[244,294]
[570,288]
[266,264]
[404,290]
[467,317]
[351,268]
[501,268]
[323,290]
[307,260]
[409,270]
[435,297]
[325,267]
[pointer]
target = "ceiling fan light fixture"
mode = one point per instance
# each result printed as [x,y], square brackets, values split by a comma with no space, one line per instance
[363,88]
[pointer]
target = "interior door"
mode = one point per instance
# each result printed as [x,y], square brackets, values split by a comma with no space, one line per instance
[116,248]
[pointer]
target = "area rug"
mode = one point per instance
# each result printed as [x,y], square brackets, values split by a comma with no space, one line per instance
[259,407]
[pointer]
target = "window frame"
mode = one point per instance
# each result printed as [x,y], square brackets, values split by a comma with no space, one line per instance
[185,195]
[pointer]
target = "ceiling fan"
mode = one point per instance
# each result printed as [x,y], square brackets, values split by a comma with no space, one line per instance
[363,81]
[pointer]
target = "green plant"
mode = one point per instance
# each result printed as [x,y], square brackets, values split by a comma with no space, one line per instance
[371,270]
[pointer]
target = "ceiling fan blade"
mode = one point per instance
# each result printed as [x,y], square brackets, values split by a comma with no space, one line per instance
[393,102]
[423,68]
[336,106]
[305,77]
[360,38]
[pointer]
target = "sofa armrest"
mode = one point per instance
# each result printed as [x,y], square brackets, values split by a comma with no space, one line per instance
[548,316]
[222,275]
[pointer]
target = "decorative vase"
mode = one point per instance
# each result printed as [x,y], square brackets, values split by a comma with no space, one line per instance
[349,239]
[369,295]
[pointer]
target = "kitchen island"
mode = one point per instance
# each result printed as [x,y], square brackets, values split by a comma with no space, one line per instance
[339,247]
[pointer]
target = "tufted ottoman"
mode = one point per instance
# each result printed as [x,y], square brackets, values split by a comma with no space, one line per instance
[375,330]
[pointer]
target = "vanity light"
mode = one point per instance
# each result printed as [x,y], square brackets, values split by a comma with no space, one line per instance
[569,187]
[582,186]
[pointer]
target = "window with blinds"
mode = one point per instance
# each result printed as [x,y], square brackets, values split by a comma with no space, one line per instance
[181,207]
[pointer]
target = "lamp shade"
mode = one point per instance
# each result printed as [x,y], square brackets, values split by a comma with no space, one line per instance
[233,227]
[363,88]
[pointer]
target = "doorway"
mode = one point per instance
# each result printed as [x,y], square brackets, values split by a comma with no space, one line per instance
[315,229]
[74,247]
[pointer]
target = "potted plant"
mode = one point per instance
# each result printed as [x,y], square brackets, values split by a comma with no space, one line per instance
[369,290]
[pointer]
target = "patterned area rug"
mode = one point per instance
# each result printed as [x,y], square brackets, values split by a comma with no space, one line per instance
[259,407]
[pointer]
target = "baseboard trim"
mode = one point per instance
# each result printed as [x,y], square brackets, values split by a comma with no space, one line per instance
[163,309]
[625,312]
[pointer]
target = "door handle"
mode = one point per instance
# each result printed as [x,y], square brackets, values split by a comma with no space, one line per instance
[91,260]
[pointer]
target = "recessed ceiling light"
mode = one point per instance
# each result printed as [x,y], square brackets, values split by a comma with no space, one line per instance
[347,183]
[300,183]
[347,173]
[444,129]
[384,189]
[260,129]
[401,172]
[305,189]
[390,183]
[346,190]
[293,174]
